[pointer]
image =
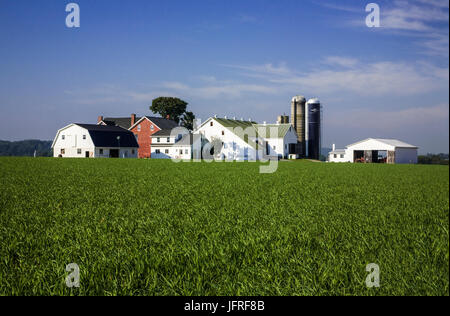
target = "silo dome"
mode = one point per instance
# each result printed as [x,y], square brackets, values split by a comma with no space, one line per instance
[313,101]
[299,98]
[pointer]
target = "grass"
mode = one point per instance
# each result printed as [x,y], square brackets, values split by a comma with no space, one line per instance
[140,227]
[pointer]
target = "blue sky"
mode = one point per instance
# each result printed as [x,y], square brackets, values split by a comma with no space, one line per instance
[242,58]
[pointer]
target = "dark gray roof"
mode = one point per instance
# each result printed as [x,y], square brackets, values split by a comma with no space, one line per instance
[162,123]
[125,122]
[162,133]
[106,136]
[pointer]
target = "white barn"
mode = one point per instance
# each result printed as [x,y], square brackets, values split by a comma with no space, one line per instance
[376,150]
[94,141]
[247,140]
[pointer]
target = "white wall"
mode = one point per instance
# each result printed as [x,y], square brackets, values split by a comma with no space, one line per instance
[406,155]
[234,148]
[73,140]
[173,152]
[338,158]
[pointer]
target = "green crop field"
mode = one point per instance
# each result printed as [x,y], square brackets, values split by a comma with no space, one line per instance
[142,227]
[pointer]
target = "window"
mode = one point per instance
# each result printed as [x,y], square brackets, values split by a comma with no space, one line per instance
[101,151]
[166,151]
[79,151]
[274,147]
[181,151]
[139,128]
[211,124]
[84,136]
[133,151]
[63,137]
[157,151]
[168,139]
[63,151]
[137,137]
[223,133]
[152,127]
[186,151]
[285,146]
[158,140]
[342,156]
[335,156]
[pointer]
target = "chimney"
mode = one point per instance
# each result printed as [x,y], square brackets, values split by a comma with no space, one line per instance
[334,147]
[99,119]
[133,119]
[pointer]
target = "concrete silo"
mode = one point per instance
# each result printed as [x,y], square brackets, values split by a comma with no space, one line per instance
[313,128]
[298,122]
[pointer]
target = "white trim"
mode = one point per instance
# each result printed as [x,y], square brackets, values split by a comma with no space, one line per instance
[138,121]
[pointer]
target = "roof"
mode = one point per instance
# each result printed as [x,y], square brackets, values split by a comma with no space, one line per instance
[107,136]
[395,143]
[125,122]
[186,140]
[266,130]
[390,142]
[232,124]
[337,151]
[162,133]
[162,123]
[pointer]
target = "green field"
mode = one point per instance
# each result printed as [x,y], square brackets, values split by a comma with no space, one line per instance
[141,227]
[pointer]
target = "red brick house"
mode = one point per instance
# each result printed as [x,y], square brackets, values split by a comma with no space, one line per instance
[142,127]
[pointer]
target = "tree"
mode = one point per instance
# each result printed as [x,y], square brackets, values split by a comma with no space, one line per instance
[188,120]
[168,107]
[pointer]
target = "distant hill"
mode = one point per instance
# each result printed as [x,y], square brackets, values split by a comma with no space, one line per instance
[26,148]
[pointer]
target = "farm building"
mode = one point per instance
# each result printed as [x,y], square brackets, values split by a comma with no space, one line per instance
[171,144]
[142,127]
[94,141]
[247,140]
[376,150]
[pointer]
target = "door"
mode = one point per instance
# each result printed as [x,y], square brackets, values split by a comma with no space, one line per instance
[113,153]
[86,154]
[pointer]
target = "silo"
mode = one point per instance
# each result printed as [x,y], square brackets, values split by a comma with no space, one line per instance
[298,121]
[283,119]
[313,137]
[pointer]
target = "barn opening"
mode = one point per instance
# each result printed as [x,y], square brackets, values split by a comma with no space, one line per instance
[113,153]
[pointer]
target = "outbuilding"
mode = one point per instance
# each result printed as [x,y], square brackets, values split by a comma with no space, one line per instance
[376,150]
[94,141]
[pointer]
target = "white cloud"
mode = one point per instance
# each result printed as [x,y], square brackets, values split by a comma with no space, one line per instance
[349,75]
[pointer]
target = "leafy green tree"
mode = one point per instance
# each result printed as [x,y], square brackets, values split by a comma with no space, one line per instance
[188,120]
[169,107]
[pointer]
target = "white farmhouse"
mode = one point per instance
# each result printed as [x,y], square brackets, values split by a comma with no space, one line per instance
[94,141]
[376,150]
[171,144]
